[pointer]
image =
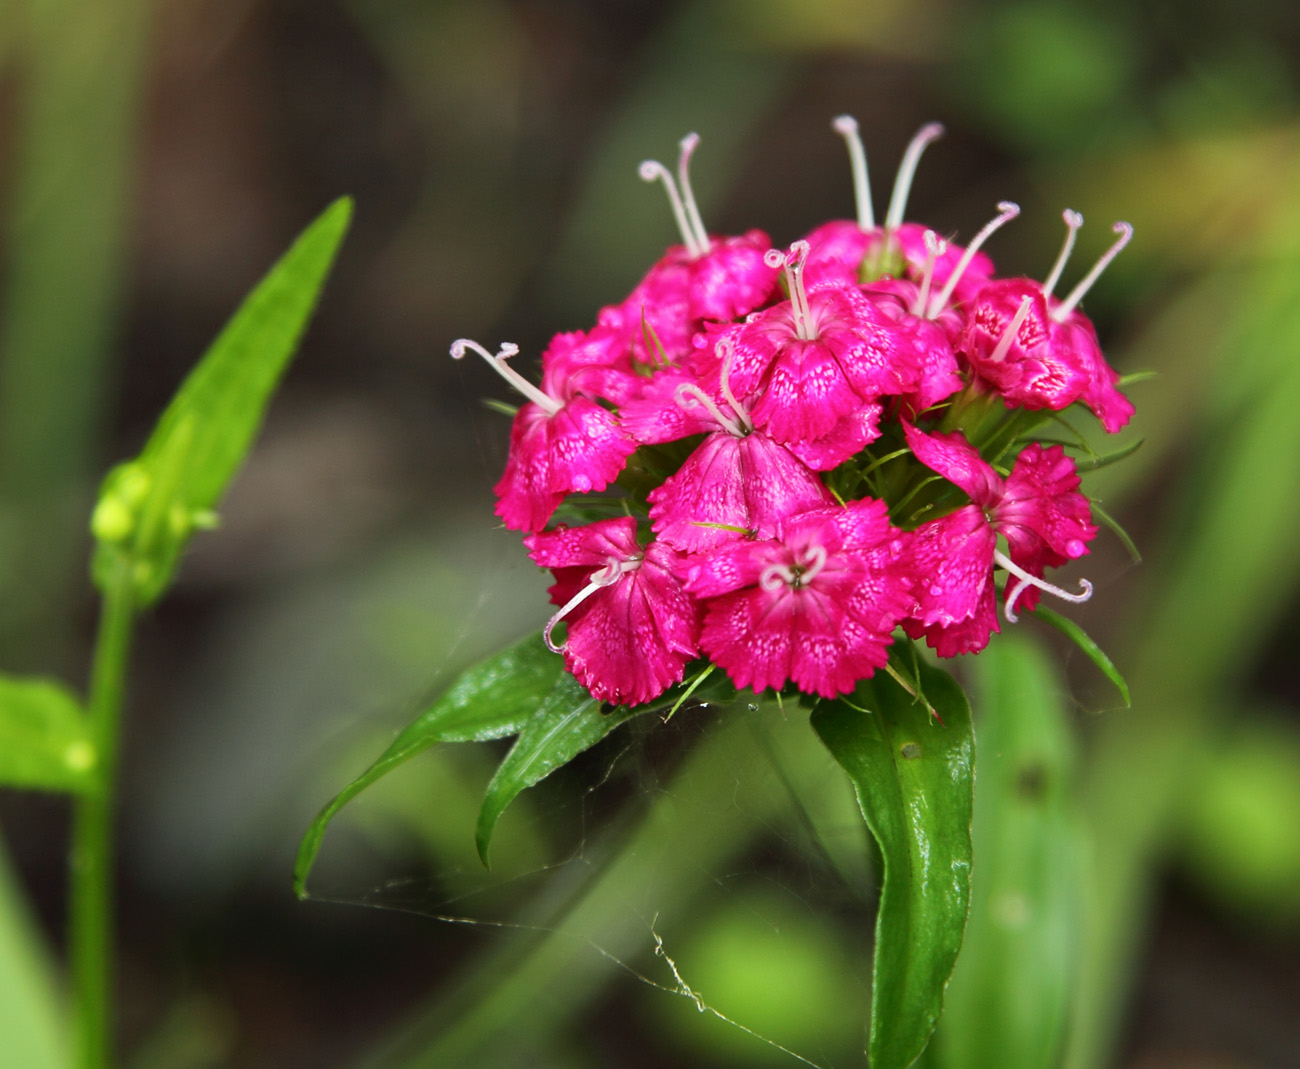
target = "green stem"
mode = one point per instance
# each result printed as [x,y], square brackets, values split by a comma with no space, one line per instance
[91,862]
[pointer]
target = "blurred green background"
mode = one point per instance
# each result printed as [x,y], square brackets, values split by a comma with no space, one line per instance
[156,155]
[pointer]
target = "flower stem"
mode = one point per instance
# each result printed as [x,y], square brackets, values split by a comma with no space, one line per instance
[91,861]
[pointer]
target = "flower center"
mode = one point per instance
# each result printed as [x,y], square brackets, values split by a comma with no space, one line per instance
[799,573]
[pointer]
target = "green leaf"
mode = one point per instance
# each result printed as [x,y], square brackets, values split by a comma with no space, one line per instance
[1091,650]
[149,507]
[33,1016]
[913,776]
[45,738]
[495,698]
[1007,1003]
[568,722]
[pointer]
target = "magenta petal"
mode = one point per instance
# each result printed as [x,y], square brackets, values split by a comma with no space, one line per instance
[732,278]
[589,546]
[853,433]
[1045,519]
[807,393]
[630,641]
[953,457]
[751,483]
[953,565]
[579,448]
[964,636]
[835,253]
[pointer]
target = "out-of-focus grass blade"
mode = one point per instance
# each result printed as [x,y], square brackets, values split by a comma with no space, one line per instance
[913,776]
[33,1021]
[1091,650]
[45,741]
[491,700]
[150,506]
[1006,1005]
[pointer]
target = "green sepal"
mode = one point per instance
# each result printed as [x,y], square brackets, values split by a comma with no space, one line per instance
[148,507]
[45,741]
[913,775]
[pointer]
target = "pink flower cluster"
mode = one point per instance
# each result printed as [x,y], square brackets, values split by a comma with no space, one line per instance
[799,452]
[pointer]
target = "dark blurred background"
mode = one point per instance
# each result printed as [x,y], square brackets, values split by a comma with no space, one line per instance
[155,157]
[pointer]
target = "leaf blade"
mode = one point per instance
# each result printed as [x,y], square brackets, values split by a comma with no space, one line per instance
[568,722]
[913,777]
[1088,645]
[45,741]
[490,700]
[149,507]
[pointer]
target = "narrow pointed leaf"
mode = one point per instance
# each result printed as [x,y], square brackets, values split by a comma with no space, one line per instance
[493,699]
[1008,999]
[45,739]
[1091,650]
[149,507]
[567,723]
[913,777]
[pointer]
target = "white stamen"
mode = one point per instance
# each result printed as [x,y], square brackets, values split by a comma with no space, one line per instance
[1009,335]
[847,127]
[688,395]
[1059,313]
[508,349]
[1007,210]
[793,262]
[907,171]
[611,573]
[814,560]
[726,348]
[774,577]
[935,247]
[688,144]
[1025,580]
[651,170]
[1073,220]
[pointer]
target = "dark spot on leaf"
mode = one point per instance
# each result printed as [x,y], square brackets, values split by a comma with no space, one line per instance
[1032,782]
[607,707]
[910,750]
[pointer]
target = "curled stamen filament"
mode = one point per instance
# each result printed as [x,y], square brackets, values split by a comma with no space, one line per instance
[907,171]
[611,573]
[814,560]
[1024,579]
[498,363]
[652,170]
[1073,220]
[688,144]
[1007,210]
[935,247]
[847,127]
[776,575]
[1062,310]
[793,262]
[726,349]
[1009,335]
[688,395]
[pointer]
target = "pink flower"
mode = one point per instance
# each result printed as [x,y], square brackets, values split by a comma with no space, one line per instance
[631,626]
[817,604]
[819,357]
[736,481]
[1038,352]
[703,279]
[560,442]
[1039,510]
